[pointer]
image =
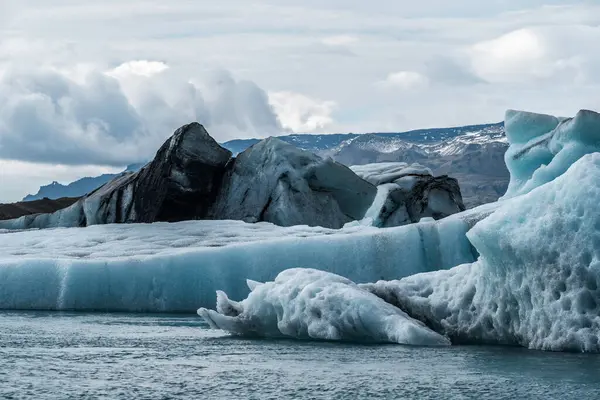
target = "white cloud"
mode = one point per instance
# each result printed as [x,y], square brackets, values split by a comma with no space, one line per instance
[143,68]
[553,53]
[517,53]
[539,55]
[406,80]
[300,113]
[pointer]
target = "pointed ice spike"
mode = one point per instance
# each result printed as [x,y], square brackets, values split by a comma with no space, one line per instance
[253,284]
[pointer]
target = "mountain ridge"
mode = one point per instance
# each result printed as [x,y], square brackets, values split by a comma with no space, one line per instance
[325,141]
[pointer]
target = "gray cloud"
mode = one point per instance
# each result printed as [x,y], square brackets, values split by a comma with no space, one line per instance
[99,119]
[318,61]
[448,70]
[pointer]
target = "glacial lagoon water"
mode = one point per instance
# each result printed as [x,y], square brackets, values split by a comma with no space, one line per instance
[45,355]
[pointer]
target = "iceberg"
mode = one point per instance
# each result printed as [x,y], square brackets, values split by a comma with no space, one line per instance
[177,267]
[311,304]
[407,193]
[274,181]
[537,277]
[536,283]
[192,177]
[522,271]
[180,183]
[542,147]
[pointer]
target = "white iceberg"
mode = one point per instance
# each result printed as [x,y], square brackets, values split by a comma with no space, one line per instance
[543,147]
[177,267]
[537,281]
[313,304]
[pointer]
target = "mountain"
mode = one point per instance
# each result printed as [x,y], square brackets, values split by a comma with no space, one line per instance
[473,154]
[314,143]
[320,142]
[78,188]
[16,210]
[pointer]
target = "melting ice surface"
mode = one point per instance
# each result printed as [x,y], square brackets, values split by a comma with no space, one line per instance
[543,147]
[312,304]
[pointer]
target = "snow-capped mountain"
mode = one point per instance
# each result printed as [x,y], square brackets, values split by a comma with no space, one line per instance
[419,144]
[472,154]
[382,142]
[469,141]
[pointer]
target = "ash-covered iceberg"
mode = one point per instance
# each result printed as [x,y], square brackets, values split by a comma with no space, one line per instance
[274,181]
[192,177]
[536,283]
[180,183]
[313,304]
[408,193]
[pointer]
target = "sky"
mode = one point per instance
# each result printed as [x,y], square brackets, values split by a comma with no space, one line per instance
[89,87]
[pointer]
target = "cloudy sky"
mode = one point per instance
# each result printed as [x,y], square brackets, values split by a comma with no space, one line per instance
[88,87]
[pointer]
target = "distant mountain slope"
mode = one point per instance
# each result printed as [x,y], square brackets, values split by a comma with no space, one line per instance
[310,142]
[16,210]
[320,142]
[473,154]
[78,188]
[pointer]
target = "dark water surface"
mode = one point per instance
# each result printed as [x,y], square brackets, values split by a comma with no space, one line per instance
[123,356]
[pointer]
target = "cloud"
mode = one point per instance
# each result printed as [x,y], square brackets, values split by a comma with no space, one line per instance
[555,54]
[406,80]
[339,40]
[143,68]
[300,113]
[458,63]
[450,71]
[518,53]
[120,117]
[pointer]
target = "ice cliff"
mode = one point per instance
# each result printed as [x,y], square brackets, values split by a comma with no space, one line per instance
[177,267]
